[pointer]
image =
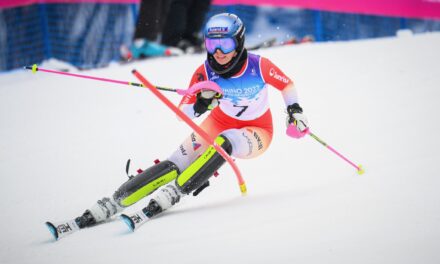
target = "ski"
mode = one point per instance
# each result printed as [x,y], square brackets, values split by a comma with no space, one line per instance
[135,220]
[62,229]
[66,228]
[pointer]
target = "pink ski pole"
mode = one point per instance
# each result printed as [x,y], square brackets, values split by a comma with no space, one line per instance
[359,168]
[34,69]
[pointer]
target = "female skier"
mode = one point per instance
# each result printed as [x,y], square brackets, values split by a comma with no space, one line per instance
[240,119]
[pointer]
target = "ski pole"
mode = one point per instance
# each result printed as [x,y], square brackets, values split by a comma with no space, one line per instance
[34,69]
[195,127]
[359,168]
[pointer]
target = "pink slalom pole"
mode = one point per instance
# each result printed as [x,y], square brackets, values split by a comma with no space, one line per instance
[359,168]
[34,69]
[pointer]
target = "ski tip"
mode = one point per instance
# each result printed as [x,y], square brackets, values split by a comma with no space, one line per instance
[128,221]
[52,230]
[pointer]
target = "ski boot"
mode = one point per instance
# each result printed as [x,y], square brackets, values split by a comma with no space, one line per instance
[166,197]
[99,212]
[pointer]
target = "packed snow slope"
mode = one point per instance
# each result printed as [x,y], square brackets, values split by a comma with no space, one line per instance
[64,142]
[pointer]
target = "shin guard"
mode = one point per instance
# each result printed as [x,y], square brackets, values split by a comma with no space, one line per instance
[203,167]
[145,183]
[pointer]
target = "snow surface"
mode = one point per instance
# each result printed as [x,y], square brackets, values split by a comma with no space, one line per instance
[64,143]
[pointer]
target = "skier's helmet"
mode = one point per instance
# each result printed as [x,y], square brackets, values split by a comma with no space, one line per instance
[225,32]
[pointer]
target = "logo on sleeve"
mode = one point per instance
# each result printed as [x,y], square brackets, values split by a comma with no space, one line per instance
[273,73]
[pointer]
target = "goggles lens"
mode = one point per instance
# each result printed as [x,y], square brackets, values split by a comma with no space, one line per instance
[226,45]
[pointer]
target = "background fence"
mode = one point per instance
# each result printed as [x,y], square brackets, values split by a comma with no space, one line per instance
[89,35]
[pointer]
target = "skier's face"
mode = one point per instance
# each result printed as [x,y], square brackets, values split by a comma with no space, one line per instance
[222,58]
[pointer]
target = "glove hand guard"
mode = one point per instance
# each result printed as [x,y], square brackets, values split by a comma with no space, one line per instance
[206,100]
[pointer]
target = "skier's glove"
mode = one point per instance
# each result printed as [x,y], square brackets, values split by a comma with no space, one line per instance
[296,117]
[206,100]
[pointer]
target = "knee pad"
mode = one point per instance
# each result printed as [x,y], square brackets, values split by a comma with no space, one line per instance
[145,183]
[203,167]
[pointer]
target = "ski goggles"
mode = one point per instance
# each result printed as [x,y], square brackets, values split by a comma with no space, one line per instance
[226,45]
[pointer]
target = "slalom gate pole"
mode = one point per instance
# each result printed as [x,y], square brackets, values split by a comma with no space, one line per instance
[195,127]
[359,168]
[34,69]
